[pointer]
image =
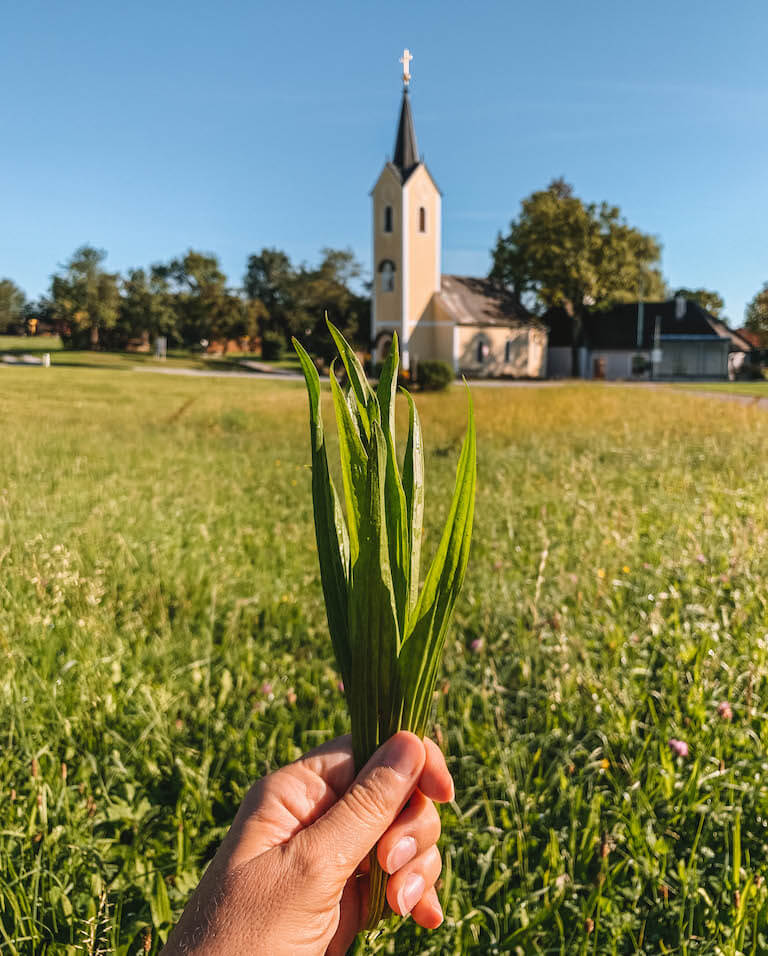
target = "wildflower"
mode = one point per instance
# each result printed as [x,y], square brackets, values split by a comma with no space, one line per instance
[498,565]
[601,573]
[678,747]
[340,686]
[290,696]
[605,764]
[477,645]
[724,710]
[625,569]
[266,689]
[701,558]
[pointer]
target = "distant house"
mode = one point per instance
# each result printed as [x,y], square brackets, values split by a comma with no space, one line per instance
[650,340]
[466,322]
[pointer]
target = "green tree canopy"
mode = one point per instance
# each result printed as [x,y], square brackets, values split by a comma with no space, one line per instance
[295,299]
[85,297]
[706,298]
[561,251]
[756,315]
[205,307]
[147,305]
[12,302]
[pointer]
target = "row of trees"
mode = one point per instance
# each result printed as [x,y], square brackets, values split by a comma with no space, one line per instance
[189,300]
[559,251]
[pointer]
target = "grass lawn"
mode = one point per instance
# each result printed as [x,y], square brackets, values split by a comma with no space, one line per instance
[163,644]
[125,361]
[758,389]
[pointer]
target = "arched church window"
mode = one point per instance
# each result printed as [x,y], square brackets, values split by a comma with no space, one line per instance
[483,350]
[422,219]
[387,271]
[508,351]
[387,219]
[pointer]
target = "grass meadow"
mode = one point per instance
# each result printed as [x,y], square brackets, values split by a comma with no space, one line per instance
[163,643]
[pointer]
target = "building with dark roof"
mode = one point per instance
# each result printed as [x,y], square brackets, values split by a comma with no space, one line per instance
[465,321]
[643,340]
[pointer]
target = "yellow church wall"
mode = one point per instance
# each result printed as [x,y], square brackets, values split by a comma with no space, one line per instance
[387,245]
[520,361]
[422,248]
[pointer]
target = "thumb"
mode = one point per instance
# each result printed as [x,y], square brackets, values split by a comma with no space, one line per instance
[342,837]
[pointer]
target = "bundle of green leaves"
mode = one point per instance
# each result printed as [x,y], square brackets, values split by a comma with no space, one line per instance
[387,637]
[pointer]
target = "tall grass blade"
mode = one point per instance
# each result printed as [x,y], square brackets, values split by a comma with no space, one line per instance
[330,530]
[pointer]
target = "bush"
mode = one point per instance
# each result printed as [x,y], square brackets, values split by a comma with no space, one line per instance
[434,375]
[272,346]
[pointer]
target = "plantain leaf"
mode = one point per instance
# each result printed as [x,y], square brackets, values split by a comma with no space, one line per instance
[423,646]
[330,530]
[374,692]
[387,388]
[357,380]
[413,486]
[396,507]
[354,461]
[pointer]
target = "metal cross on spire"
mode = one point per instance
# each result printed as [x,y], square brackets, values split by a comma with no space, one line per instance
[405,59]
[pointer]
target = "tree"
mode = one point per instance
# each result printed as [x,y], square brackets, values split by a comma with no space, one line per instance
[563,252]
[12,302]
[146,305]
[756,315]
[711,301]
[326,290]
[294,300]
[270,280]
[85,298]
[205,307]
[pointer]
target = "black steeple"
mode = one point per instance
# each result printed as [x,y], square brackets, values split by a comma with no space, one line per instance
[406,156]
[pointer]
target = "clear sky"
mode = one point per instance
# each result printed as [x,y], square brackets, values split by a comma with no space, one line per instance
[147,128]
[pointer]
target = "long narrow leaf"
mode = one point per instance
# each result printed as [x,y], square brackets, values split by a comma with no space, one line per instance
[396,505]
[373,628]
[357,380]
[330,530]
[422,648]
[413,486]
[354,461]
[387,388]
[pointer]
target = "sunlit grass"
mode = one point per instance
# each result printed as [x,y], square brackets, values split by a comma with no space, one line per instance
[163,643]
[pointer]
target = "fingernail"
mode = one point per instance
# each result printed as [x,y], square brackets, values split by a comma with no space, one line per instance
[411,892]
[403,851]
[437,910]
[402,755]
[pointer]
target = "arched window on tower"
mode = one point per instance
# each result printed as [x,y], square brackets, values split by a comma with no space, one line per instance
[387,272]
[422,219]
[387,219]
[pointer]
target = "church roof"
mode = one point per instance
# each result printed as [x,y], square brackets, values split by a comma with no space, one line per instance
[475,301]
[406,155]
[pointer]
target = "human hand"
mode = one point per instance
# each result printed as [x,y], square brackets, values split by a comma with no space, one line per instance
[291,875]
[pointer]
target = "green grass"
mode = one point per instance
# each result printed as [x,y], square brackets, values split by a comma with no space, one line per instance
[160,607]
[126,361]
[758,389]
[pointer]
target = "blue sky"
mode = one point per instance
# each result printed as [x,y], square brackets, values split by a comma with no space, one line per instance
[147,128]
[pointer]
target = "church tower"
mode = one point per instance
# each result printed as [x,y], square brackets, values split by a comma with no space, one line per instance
[406,242]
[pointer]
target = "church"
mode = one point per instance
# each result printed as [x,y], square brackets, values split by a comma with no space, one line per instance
[465,321]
